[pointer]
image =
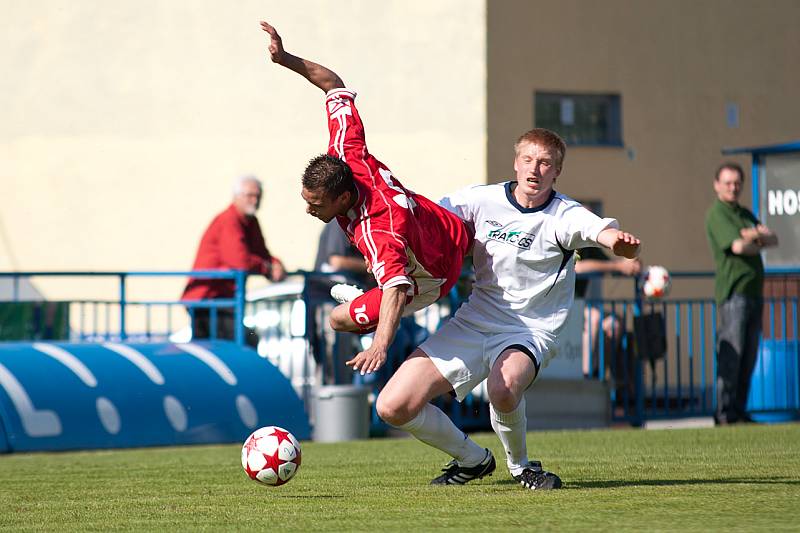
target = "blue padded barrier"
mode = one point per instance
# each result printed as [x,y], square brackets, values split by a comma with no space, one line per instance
[59,396]
[774,395]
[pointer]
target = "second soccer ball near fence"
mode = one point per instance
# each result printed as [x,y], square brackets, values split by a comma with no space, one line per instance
[656,282]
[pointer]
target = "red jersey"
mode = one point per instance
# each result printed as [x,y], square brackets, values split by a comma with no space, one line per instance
[407,238]
[231,241]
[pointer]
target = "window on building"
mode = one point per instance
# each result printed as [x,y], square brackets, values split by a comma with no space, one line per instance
[581,119]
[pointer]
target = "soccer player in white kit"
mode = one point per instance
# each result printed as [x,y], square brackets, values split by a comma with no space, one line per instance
[525,237]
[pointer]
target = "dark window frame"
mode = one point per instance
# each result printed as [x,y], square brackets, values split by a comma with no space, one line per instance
[588,108]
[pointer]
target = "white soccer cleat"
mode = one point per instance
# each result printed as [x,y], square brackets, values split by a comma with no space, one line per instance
[343,293]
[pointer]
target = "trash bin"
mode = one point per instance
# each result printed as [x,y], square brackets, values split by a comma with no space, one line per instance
[341,412]
[774,387]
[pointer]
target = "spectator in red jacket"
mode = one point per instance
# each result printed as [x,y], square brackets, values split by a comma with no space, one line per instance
[233,240]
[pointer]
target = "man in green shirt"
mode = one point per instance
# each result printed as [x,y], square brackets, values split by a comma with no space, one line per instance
[736,238]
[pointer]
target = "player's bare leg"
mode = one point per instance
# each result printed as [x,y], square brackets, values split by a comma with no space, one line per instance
[412,386]
[405,403]
[340,319]
[509,378]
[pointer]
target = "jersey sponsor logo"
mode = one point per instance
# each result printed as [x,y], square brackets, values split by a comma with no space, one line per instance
[494,223]
[520,239]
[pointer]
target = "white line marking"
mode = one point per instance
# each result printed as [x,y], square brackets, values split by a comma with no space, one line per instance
[141,362]
[69,361]
[36,423]
[211,360]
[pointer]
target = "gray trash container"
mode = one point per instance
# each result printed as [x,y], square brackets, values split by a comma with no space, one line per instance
[341,412]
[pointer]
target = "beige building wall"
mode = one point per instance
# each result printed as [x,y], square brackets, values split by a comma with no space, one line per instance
[676,65]
[124,123]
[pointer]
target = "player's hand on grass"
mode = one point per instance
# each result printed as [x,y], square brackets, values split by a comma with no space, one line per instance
[626,245]
[368,361]
[275,42]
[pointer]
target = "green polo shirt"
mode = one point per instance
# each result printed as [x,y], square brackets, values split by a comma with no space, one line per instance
[743,274]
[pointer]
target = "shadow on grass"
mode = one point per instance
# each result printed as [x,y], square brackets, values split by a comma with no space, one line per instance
[309,496]
[609,484]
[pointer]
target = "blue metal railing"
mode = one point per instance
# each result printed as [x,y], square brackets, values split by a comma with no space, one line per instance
[678,381]
[121,305]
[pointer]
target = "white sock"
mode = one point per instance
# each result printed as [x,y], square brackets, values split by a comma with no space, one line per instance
[434,428]
[511,428]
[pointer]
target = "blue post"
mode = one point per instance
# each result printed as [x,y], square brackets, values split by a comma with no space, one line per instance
[690,350]
[16,288]
[678,327]
[637,311]
[122,331]
[703,384]
[714,351]
[213,320]
[601,346]
[238,306]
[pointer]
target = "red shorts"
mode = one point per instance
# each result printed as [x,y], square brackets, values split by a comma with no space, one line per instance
[365,309]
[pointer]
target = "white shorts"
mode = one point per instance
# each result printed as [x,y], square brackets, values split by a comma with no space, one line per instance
[465,356]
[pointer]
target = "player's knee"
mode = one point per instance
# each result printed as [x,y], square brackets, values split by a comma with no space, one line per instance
[502,397]
[393,412]
[340,320]
[335,323]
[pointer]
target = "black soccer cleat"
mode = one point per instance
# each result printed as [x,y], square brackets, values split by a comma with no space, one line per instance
[455,474]
[534,478]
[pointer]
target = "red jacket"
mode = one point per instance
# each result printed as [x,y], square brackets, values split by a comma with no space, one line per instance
[231,241]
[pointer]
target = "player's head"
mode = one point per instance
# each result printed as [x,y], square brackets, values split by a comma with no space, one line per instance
[328,187]
[539,154]
[728,182]
[546,138]
[247,194]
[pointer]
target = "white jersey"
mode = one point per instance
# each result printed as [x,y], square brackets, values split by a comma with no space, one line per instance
[523,258]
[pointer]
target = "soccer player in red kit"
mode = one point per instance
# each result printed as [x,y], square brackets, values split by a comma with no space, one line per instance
[413,247]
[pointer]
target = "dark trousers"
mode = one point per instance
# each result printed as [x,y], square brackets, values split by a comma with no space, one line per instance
[739,328]
[201,326]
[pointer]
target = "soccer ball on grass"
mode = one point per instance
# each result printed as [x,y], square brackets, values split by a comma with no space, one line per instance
[271,456]
[656,282]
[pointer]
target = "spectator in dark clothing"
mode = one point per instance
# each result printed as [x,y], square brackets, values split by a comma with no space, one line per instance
[617,360]
[335,254]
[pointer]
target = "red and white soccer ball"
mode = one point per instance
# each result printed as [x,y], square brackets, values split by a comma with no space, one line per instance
[656,282]
[271,455]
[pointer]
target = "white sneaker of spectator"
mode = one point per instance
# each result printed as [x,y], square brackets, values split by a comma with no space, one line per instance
[343,293]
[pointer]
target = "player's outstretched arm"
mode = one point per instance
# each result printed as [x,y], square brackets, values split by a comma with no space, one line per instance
[393,302]
[621,243]
[322,77]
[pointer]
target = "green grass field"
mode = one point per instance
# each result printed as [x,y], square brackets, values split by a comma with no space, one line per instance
[734,478]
